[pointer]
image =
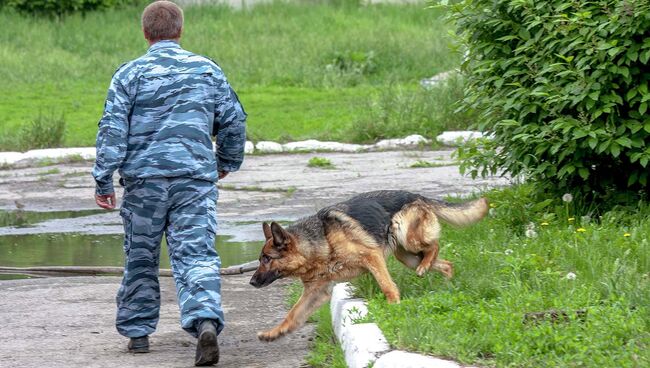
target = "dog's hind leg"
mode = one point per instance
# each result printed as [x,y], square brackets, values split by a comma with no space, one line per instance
[410,260]
[314,294]
[430,256]
[376,264]
[444,267]
[430,260]
[417,229]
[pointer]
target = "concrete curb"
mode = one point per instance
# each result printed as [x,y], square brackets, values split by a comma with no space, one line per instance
[312,145]
[364,343]
[84,153]
[451,138]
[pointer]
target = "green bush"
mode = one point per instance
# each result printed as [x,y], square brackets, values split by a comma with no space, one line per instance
[563,88]
[58,8]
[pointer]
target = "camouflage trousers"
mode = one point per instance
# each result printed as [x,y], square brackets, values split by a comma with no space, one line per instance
[185,211]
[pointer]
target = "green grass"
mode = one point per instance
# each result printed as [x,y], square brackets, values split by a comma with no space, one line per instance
[301,70]
[320,162]
[50,172]
[503,271]
[396,110]
[420,164]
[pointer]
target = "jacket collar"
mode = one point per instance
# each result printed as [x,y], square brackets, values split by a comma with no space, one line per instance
[164,44]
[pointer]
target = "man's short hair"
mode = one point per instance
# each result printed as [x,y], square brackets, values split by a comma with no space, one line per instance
[162,20]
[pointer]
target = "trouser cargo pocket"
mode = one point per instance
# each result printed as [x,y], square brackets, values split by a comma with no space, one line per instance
[127,220]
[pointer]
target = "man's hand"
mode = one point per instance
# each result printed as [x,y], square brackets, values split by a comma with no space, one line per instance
[222,174]
[106,201]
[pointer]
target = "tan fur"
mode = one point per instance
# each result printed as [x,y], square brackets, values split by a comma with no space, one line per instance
[347,251]
[472,212]
[416,229]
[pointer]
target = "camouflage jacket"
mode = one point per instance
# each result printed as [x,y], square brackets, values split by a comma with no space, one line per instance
[160,114]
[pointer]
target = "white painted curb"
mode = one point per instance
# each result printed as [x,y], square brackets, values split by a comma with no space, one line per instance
[8,158]
[311,145]
[403,359]
[456,138]
[86,153]
[364,343]
[316,145]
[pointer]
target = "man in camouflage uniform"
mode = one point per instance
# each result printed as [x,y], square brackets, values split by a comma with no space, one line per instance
[160,113]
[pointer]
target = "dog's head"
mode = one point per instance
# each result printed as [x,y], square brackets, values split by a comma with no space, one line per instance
[278,257]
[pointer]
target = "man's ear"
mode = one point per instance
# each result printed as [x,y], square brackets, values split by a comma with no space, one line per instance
[267,231]
[280,236]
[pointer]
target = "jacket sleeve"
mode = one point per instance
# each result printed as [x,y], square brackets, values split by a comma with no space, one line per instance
[229,127]
[112,136]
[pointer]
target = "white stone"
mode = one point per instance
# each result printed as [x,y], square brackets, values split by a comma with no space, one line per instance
[268,147]
[349,310]
[8,158]
[455,138]
[428,83]
[249,147]
[402,359]
[340,295]
[315,145]
[87,153]
[410,141]
[362,343]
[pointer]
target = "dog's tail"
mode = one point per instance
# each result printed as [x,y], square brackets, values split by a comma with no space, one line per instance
[461,214]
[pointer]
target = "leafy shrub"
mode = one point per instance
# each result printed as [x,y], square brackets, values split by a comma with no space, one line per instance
[354,62]
[42,132]
[59,8]
[563,88]
[349,68]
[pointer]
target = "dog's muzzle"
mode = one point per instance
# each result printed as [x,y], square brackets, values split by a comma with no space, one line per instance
[262,279]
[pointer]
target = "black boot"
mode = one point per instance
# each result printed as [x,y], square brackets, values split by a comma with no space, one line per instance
[139,344]
[207,348]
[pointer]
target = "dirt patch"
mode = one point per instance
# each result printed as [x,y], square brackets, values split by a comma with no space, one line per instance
[69,322]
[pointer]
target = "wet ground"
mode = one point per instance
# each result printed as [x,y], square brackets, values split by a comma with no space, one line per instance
[278,187]
[49,218]
[72,249]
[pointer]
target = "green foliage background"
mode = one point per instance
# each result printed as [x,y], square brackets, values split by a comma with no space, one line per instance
[302,70]
[58,8]
[563,88]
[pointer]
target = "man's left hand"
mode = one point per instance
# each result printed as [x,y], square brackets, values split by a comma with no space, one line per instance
[106,201]
[222,174]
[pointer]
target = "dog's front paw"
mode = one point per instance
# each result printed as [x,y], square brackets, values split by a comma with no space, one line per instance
[270,335]
[421,270]
[393,298]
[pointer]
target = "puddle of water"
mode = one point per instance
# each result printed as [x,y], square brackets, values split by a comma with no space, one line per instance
[12,276]
[98,250]
[28,218]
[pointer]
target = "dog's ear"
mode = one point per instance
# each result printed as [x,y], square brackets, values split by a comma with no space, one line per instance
[280,236]
[267,231]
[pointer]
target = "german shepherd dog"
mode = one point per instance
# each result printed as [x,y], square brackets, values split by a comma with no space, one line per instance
[347,239]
